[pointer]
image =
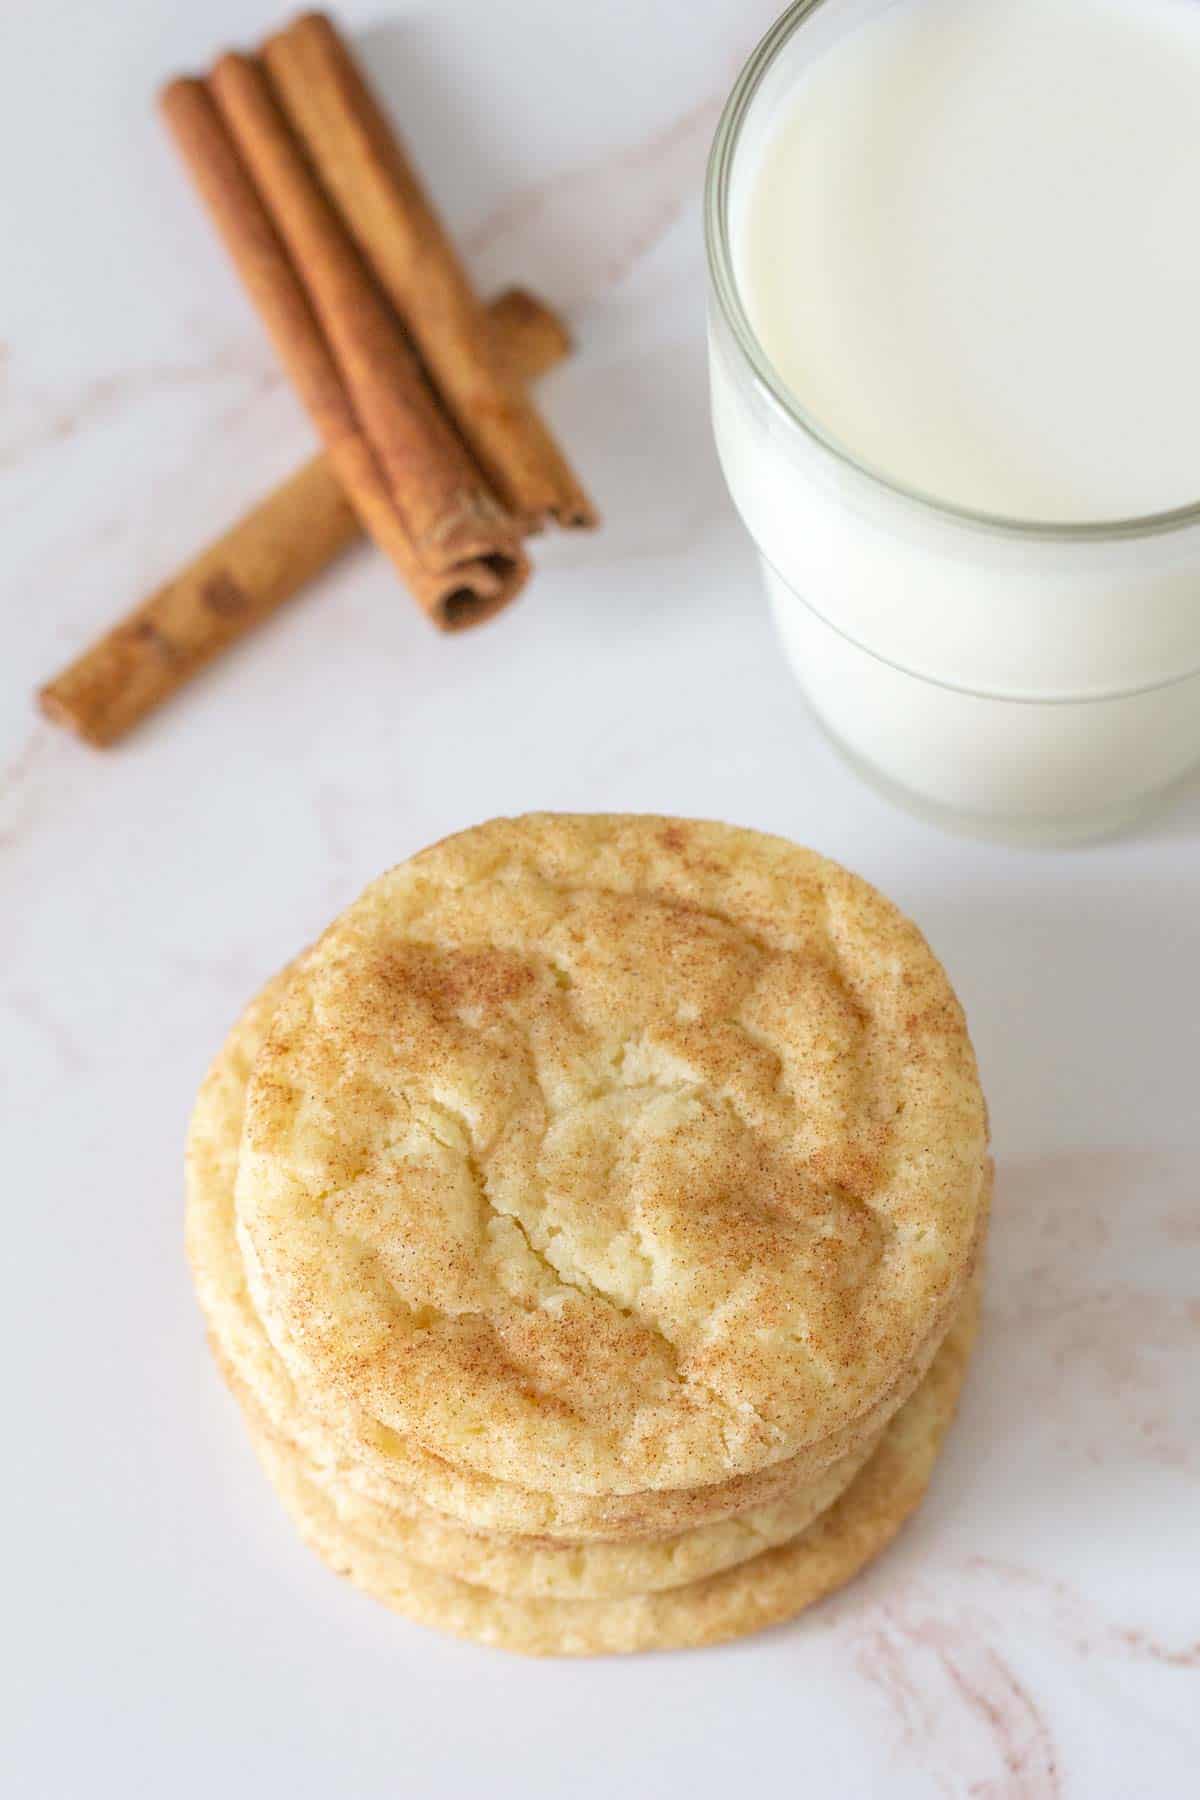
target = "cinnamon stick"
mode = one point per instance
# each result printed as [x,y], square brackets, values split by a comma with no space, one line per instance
[378,193]
[260,564]
[397,460]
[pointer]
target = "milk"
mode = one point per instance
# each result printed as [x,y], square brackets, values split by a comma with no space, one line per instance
[969,250]
[958,274]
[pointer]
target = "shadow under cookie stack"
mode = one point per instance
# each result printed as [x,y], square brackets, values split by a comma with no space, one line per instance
[588,1227]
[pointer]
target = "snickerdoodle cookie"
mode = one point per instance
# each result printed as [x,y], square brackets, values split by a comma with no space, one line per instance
[573,1219]
[612,1154]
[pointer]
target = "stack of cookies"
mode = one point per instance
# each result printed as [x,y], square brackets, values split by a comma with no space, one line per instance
[588,1226]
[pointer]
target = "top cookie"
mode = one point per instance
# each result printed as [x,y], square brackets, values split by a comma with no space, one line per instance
[608,1154]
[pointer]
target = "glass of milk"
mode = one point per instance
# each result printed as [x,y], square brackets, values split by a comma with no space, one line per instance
[955,360]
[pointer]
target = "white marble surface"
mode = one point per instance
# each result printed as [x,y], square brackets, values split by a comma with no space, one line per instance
[1035,1633]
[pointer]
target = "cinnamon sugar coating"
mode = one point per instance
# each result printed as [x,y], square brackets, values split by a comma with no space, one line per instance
[612,1156]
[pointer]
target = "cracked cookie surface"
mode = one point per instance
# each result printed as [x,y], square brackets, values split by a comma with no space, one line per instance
[612,1154]
[382,1469]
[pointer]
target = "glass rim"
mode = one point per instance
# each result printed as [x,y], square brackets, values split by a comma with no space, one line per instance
[725,287]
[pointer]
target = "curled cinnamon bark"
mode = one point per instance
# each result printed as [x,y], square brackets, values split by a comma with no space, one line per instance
[399,463]
[262,562]
[368,175]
